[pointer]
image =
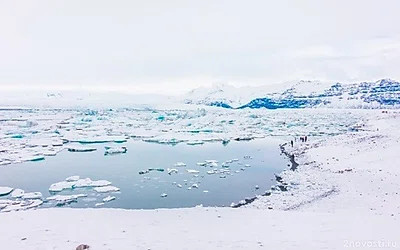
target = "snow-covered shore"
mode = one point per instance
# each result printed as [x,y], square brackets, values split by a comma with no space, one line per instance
[344,193]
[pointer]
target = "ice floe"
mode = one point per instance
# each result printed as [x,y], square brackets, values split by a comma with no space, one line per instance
[32,195]
[192,171]
[81,149]
[109,198]
[115,150]
[180,164]
[60,186]
[17,193]
[5,190]
[72,178]
[163,195]
[106,189]
[172,171]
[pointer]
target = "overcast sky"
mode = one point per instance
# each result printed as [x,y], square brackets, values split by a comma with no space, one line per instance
[173,46]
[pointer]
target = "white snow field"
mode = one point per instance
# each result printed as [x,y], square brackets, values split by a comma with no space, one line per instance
[344,193]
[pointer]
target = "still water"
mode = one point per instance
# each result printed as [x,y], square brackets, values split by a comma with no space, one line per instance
[144,191]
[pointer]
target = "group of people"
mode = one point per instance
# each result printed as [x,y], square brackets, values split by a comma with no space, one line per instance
[302,139]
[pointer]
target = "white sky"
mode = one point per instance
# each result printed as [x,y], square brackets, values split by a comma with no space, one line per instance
[173,46]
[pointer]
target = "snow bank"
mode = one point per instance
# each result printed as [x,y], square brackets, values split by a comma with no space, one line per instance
[196,228]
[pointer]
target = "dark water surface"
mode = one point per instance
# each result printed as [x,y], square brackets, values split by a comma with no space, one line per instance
[144,191]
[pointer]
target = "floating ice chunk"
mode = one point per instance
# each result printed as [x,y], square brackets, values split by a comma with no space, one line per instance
[5,190]
[202,163]
[195,185]
[81,149]
[17,193]
[60,186]
[257,187]
[222,176]
[247,165]
[229,161]
[212,171]
[144,172]
[63,199]
[100,183]
[235,160]
[82,183]
[180,164]
[106,189]
[73,178]
[24,205]
[211,161]
[224,170]
[99,204]
[243,169]
[237,171]
[214,165]
[32,195]
[33,158]
[195,142]
[225,165]
[109,198]
[189,188]
[115,150]
[205,191]
[172,170]
[192,171]
[179,186]
[164,195]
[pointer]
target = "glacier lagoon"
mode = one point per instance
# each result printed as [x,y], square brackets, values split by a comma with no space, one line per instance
[252,174]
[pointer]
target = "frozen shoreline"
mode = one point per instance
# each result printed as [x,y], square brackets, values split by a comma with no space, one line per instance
[345,190]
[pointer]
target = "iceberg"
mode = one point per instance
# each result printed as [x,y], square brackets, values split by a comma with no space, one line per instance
[211,161]
[100,183]
[179,185]
[17,193]
[5,190]
[72,178]
[115,150]
[195,185]
[60,186]
[180,164]
[164,195]
[109,198]
[225,165]
[213,165]
[82,183]
[32,196]
[172,170]
[106,189]
[65,199]
[81,149]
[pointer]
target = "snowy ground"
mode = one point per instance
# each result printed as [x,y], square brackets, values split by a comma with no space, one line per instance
[343,195]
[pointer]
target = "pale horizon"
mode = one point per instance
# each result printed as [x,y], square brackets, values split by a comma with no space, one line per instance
[154,47]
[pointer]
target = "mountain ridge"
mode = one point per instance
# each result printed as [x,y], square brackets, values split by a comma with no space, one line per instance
[384,93]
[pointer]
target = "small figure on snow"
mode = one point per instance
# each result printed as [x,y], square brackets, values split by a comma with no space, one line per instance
[291,143]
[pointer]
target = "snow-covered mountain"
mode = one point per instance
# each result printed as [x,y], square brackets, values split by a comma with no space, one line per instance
[384,93]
